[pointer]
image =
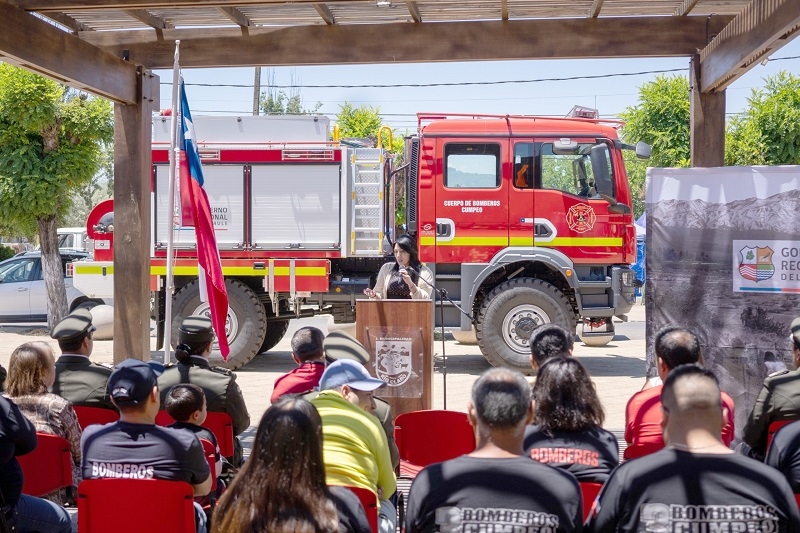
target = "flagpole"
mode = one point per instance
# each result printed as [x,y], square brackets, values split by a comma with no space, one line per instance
[173,165]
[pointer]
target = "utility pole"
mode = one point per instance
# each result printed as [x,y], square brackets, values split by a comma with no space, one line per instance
[257,91]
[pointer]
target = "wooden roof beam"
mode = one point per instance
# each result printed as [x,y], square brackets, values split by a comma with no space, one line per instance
[326,14]
[79,5]
[68,22]
[236,15]
[763,27]
[408,43]
[413,10]
[594,11]
[37,45]
[685,7]
[145,17]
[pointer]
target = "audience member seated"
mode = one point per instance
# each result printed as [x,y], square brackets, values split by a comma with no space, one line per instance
[548,341]
[3,375]
[134,447]
[784,454]
[697,483]
[223,394]
[567,420]
[340,345]
[779,399]
[354,444]
[186,404]
[674,346]
[31,371]
[78,379]
[496,485]
[307,352]
[30,514]
[281,487]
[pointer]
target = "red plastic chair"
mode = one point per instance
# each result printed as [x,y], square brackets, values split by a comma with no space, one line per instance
[589,492]
[427,437]
[210,452]
[106,504]
[774,427]
[95,415]
[48,467]
[220,424]
[369,500]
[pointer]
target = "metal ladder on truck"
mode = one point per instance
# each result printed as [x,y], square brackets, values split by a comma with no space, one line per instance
[366,202]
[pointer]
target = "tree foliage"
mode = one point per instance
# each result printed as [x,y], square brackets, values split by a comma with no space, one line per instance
[51,139]
[768,133]
[278,102]
[661,119]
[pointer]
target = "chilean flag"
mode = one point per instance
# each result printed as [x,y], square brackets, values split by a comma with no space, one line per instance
[196,211]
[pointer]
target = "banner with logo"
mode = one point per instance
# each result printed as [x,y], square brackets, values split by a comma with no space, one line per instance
[723,259]
[397,359]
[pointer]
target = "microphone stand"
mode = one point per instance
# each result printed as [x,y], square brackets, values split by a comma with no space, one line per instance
[442,297]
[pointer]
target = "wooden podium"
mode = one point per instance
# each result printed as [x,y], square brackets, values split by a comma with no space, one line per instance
[398,334]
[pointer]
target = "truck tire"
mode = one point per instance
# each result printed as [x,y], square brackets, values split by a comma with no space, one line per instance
[509,314]
[275,332]
[245,326]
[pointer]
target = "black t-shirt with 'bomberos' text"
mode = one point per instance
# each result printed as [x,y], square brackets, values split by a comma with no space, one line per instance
[590,455]
[674,491]
[488,495]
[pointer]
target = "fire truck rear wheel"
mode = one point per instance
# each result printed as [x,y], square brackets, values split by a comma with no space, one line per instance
[275,332]
[510,313]
[245,325]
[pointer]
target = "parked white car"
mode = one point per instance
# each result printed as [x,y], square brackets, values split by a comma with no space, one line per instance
[23,298]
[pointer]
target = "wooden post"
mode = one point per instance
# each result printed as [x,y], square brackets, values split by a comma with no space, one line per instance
[398,334]
[707,122]
[132,176]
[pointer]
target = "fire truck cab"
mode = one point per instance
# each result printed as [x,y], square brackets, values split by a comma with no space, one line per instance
[524,221]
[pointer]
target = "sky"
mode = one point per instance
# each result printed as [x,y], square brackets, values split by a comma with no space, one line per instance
[595,83]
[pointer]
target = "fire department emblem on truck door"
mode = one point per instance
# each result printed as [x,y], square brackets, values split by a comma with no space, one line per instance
[581,218]
[393,360]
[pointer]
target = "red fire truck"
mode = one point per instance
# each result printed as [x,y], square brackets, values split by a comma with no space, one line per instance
[522,220]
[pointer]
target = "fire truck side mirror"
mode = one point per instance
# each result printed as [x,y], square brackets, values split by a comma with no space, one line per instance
[643,150]
[600,165]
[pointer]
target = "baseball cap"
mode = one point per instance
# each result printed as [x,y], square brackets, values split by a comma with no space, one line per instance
[349,372]
[132,381]
[795,329]
[341,345]
[74,326]
[195,329]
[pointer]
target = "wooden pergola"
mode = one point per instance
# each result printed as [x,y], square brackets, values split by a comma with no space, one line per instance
[110,47]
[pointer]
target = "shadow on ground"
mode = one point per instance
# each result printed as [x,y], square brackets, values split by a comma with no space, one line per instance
[612,365]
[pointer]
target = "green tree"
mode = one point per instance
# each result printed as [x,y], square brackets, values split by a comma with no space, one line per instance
[99,188]
[661,119]
[768,133]
[50,145]
[275,102]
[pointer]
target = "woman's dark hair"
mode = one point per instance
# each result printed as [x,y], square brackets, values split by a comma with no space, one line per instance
[185,350]
[407,244]
[281,487]
[565,397]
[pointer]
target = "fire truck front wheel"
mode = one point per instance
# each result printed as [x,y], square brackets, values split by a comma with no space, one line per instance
[245,325]
[509,314]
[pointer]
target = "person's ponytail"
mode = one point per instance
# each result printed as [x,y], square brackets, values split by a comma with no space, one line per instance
[183,352]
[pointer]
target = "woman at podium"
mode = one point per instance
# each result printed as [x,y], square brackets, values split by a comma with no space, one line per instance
[405,278]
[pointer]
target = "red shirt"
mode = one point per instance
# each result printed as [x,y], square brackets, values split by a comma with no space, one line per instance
[300,380]
[643,422]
